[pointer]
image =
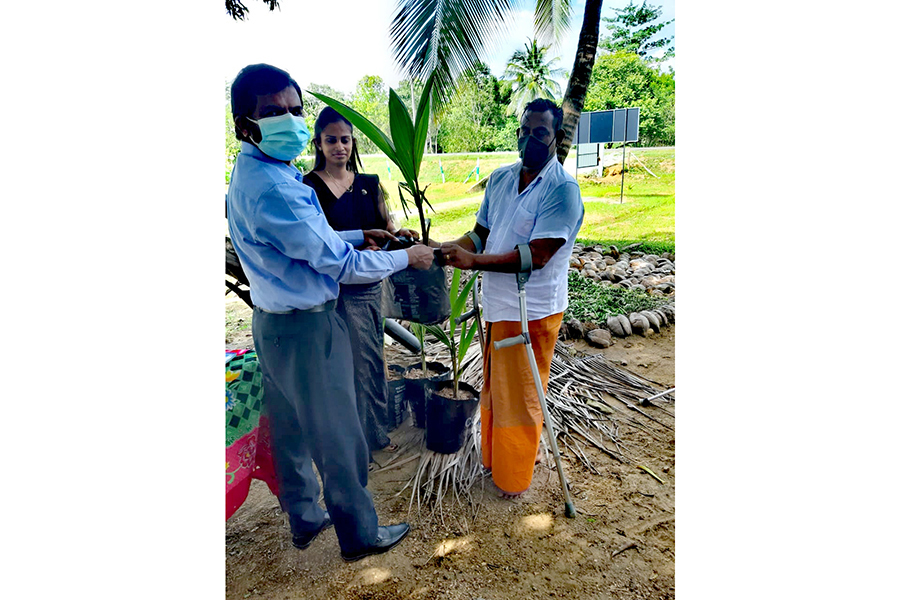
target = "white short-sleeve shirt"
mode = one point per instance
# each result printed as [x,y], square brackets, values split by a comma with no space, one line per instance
[550,207]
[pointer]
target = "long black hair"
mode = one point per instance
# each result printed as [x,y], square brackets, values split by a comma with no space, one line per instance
[326,118]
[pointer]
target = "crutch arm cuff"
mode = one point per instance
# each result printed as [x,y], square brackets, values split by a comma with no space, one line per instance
[479,247]
[525,263]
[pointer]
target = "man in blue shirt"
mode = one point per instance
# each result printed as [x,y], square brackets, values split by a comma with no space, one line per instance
[295,263]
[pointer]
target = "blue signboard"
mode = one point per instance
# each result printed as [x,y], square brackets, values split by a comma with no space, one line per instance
[634,119]
[601,131]
[618,128]
[606,126]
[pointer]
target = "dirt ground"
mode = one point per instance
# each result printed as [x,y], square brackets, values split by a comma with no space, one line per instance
[621,544]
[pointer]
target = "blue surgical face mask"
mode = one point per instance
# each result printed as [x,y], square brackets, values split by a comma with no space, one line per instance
[283,137]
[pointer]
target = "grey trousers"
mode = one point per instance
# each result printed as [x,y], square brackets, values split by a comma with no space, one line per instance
[360,307]
[305,359]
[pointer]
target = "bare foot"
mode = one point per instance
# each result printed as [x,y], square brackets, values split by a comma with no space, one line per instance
[509,496]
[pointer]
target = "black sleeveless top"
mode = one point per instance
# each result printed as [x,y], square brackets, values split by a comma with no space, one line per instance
[356,209]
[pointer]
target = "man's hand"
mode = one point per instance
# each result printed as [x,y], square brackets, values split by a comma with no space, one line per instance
[457,256]
[410,233]
[377,237]
[420,256]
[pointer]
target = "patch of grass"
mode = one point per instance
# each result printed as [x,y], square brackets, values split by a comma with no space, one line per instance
[450,223]
[647,216]
[641,219]
[643,246]
[592,302]
[456,169]
[648,213]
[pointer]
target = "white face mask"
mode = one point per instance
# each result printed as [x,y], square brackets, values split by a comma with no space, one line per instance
[283,137]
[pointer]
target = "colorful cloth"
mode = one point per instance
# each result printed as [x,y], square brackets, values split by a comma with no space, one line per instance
[511,417]
[248,453]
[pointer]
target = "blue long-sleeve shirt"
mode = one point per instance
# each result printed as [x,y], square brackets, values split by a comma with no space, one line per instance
[290,254]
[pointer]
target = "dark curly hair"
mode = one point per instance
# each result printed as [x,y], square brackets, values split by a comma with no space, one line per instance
[541,105]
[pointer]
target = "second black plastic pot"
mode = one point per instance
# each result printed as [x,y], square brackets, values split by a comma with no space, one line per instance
[449,419]
[396,398]
[416,389]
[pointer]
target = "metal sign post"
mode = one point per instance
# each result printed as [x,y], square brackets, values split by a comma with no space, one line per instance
[603,127]
[624,140]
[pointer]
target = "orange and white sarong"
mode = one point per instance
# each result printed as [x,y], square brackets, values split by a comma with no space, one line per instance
[511,418]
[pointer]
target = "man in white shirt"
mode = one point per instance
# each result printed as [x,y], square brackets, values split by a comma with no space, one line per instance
[535,202]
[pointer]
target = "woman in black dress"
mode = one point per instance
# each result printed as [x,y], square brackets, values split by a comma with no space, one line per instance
[354,200]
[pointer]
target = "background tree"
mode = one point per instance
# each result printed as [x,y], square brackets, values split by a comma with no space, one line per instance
[232,145]
[237,10]
[312,106]
[632,28]
[532,76]
[473,120]
[371,99]
[623,80]
[410,91]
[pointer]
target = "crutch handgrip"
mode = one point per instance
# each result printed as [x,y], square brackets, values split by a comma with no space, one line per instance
[510,341]
[465,316]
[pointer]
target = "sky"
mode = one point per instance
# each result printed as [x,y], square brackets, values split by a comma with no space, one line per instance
[311,42]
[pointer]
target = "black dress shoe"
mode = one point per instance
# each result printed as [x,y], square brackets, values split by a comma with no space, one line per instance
[303,540]
[388,537]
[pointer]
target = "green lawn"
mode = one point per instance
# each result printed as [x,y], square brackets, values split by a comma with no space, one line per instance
[647,214]
[457,168]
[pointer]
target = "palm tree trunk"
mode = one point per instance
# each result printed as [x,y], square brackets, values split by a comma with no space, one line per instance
[573,101]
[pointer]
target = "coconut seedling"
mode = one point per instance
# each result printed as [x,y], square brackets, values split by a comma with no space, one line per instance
[458,348]
[404,147]
[419,331]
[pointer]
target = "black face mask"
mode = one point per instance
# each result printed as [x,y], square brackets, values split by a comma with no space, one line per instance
[533,152]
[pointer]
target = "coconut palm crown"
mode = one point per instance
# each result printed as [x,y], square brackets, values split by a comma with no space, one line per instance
[446,37]
[532,76]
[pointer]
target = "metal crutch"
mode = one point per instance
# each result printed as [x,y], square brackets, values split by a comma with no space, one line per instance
[524,338]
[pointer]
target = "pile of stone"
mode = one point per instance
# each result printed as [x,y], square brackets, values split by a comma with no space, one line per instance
[641,323]
[654,274]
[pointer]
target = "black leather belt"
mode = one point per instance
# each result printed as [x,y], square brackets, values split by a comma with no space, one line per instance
[315,309]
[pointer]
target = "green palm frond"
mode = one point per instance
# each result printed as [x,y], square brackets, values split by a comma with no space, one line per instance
[439,333]
[446,37]
[532,76]
[552,19]
[422,115]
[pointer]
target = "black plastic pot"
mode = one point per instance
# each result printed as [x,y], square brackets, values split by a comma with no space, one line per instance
[416,389]
[417,295]
[396,399]
[448,418]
